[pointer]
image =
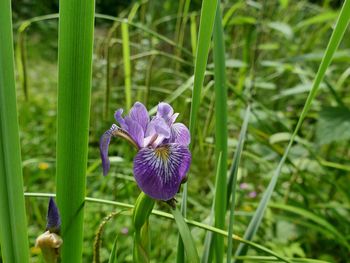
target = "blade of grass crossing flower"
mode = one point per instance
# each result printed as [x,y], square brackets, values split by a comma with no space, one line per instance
[233,180]
[76,25]
[127,67]
[204,40]
[220,132]
[187,239]
[336,37]
[13,223]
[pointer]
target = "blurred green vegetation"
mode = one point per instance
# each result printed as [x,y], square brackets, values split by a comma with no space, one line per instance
[287,38]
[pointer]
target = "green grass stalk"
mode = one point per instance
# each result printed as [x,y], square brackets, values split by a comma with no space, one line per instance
[76,26]
[127,66]
[336,37]
[13,222]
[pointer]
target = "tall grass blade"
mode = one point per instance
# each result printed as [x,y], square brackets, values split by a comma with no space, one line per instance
[209,244]
[231,187]
[76,24]
[336,37]
[127,66]
[220,132]
[204,39]
[13,223]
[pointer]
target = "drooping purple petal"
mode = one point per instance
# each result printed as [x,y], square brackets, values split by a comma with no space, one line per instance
[135,131]
[160,171]
[180,134]
[53,217]
[139,114]
[104,144]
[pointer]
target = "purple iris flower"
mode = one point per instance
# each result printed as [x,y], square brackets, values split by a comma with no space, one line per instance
[163,158]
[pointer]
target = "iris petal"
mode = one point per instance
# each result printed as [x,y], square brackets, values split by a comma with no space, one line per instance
[160,171]
[53,217]
[118,117]
[180,134]
[104,144]
[135,131]
[164,110]
[139,114]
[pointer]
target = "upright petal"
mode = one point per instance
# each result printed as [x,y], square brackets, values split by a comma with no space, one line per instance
[135,131]
[104,144]
[180,134]
[53,218]
[160,171]
[164,110]
[157,126]
[139,114]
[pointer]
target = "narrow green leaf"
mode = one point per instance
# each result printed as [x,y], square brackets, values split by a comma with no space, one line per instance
[142,210]
[113,256]
[220,132]
[187,239]
[333,44]
[76,25]
[204,40]
[231,187]
[13,223]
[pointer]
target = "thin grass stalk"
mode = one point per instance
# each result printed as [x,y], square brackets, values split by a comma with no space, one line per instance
[108,51]
[21,60]
[193,30]
[13,222]
[75,47]
[220,131]
[127,66]
[204,39]
[336,37]
[233,180]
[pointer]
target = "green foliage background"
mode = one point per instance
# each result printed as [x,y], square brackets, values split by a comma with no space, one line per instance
[285,40]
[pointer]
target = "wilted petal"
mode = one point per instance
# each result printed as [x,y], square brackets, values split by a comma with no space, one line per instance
[160,171]
[135,131]
[104,144]
[53,217]
[180,134]
[119,118]
[164,110]
[139,114]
